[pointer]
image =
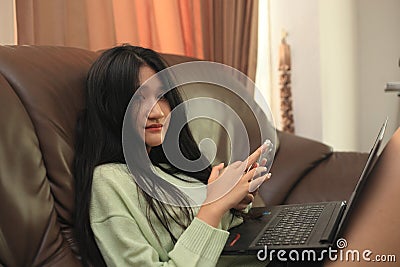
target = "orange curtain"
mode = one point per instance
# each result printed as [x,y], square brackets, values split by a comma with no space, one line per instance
[230,33]
[218,30]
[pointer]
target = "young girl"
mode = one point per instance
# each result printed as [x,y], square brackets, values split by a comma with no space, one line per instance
[118,222]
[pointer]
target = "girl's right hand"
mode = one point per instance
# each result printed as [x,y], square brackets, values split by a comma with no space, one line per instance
[226,188]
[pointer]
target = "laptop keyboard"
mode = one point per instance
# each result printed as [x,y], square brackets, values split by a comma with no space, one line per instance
[292,226]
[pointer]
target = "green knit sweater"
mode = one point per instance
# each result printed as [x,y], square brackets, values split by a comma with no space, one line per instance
[124,236]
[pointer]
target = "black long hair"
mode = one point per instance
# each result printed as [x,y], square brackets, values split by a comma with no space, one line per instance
[111,83]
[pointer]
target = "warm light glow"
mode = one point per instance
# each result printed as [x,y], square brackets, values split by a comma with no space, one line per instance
[8,30]
[264,77]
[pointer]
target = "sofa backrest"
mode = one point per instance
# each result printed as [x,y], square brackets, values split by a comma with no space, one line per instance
[40,95]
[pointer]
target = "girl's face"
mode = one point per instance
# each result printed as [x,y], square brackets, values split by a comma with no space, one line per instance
[154,116]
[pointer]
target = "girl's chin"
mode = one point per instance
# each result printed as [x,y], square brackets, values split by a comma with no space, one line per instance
[153,143]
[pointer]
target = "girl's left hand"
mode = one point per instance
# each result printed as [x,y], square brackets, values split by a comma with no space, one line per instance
[246,201]
[252,192]
[251,164]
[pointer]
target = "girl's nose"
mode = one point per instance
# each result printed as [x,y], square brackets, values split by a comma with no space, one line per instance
[156,112]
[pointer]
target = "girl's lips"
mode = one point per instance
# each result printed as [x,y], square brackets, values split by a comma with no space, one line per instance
[154,127]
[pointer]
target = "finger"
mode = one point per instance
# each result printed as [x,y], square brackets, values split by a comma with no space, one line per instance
[255,192]
[259,171]
[254,165]
[249,175]
[248,199]
[255,184]
[215,172]
[263,162]
[255,156]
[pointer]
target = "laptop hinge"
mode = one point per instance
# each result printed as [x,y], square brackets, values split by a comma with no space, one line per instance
[330,229]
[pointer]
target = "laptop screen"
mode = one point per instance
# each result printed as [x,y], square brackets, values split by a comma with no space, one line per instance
[372,157]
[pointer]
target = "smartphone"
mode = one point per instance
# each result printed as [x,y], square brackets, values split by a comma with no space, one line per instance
[266,157]
[265,160]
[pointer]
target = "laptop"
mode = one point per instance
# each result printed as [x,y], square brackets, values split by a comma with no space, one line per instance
[299,226]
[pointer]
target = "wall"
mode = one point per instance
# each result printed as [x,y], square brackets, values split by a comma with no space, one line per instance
[7,24]
[343,53]
[378,63]
[338,46]
[300,20]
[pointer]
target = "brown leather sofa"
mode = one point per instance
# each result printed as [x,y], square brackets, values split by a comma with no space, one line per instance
[41,90]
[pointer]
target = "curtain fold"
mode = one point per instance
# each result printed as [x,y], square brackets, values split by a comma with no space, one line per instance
[224,31]
[230,34]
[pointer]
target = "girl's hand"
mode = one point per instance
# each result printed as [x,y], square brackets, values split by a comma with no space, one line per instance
[245,202]
[226,189]
[251,164]
[253,158]
[253,190]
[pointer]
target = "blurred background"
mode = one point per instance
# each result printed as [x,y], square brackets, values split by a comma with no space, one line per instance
[321,65]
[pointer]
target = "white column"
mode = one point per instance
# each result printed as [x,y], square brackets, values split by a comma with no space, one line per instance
[264,79]
[7,22]
[338,48]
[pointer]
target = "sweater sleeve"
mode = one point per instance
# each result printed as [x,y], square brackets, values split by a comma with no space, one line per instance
[123,242]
